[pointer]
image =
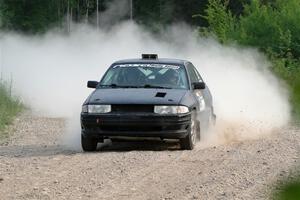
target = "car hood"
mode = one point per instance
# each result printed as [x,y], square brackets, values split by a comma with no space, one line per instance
[136,96]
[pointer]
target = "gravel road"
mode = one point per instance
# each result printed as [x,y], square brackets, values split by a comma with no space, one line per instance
[33,165]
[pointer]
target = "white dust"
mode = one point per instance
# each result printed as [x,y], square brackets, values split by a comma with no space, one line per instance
[50,73]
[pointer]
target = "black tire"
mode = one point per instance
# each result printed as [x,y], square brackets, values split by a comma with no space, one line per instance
[189,142]
[213,117]
[88,144]
[211,122]
[198,131]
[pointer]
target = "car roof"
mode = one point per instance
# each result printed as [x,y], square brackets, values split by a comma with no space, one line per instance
[159,60]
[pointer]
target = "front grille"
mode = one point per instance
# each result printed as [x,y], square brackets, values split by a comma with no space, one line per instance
[132,108]
[136,128]
[131,128]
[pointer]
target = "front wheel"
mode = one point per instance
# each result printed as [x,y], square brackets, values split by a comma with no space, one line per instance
[189,142]
[88,144]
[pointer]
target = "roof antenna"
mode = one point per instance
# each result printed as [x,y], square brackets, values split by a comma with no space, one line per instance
[150,56]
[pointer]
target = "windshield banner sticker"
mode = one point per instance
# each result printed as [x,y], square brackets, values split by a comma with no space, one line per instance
[163,66]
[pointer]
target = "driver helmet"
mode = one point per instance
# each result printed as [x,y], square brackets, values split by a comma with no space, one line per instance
[131,75]
[172,77]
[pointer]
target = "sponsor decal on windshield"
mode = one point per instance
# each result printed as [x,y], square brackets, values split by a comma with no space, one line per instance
[160,66]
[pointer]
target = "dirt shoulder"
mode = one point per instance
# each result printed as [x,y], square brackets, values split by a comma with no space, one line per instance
[33,165]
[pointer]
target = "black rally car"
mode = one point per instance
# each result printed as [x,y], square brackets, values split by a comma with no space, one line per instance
[148,97]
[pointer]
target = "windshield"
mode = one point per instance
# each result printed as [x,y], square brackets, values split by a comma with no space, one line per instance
[145,76]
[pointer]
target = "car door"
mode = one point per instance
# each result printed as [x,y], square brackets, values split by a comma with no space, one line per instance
[203,97]
[206,92]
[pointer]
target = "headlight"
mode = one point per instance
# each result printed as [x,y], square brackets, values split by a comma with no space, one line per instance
[85,109]
[202,103]
[96,109]
[171,109]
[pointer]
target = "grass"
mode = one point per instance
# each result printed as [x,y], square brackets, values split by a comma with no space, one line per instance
[289,71]
[9,108]
[295,100]
[288,190]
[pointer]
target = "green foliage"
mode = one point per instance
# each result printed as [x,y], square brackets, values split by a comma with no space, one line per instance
[221,21]
[158,13]
[27,16]
[258,27]
[9,107]
[289,70]
[270,25]
[37,16]
[289,190]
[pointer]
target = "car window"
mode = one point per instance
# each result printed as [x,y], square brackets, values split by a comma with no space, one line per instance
[146,75]
[192,73]
[198,75]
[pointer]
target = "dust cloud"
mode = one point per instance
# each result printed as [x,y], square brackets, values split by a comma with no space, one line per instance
[50,72]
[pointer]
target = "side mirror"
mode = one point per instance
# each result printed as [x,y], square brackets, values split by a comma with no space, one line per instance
[199,86]
[92,84]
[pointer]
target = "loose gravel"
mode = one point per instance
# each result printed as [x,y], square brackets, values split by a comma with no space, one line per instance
[34,165]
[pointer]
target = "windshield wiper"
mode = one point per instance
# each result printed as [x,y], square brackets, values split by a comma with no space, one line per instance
[156,86]
[113,85]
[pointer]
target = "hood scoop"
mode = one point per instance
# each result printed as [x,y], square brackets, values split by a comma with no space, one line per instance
[160,94]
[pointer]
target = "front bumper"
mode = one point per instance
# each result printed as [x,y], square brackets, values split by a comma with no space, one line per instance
[135,125]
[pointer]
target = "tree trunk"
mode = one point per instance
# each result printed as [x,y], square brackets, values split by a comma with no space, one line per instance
[58,12]
[68,17]
[131,10]
[97,10]
[87,11]
[78,12]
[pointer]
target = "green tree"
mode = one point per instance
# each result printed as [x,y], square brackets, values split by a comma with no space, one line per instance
[28,15]
[270,25]
[221,21]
